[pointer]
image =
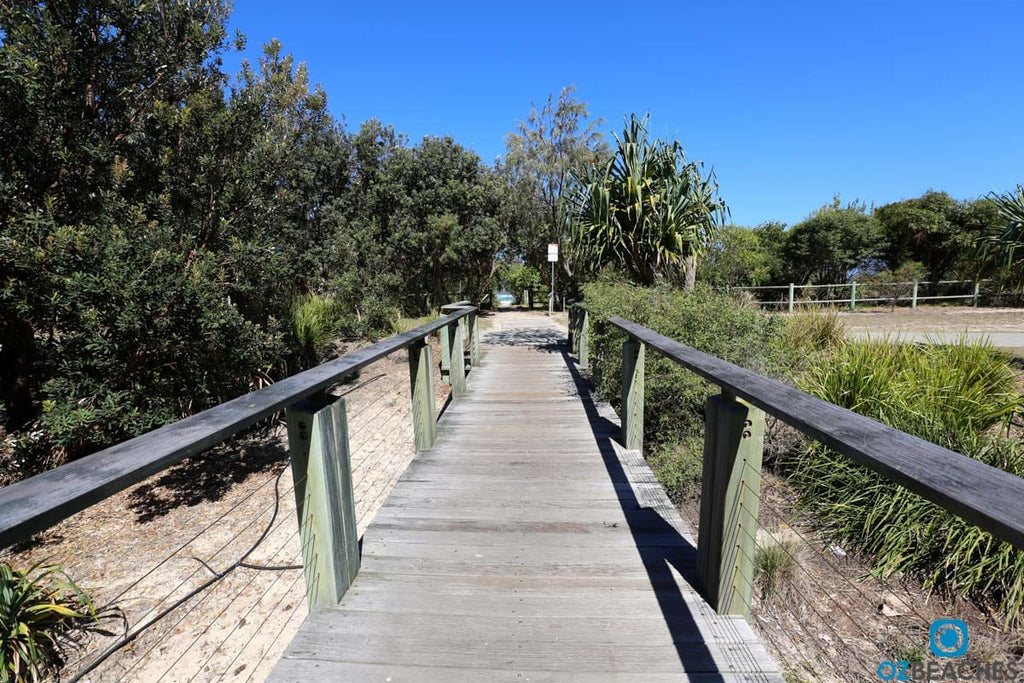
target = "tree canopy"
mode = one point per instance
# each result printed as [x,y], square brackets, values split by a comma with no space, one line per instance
[540,155]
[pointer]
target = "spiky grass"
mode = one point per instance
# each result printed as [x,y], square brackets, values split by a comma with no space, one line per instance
[775,562]
[956,395]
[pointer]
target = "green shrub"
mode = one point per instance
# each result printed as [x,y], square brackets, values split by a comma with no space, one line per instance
[38,608]
[678,466]
[955,395]
[674,396]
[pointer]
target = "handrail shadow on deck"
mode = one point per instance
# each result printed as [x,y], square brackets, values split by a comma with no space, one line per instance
[658,561]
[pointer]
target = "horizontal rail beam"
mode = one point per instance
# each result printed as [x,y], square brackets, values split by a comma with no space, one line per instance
[862,284]
[981,494]
[36,503]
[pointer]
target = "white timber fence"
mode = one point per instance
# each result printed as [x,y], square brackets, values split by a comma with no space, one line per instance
[866,292]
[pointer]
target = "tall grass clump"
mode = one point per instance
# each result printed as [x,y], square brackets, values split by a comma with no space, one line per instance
[674,396]
[314,325]
[811,331]
[956,395]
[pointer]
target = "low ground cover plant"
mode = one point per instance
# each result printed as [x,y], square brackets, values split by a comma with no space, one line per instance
[39,608]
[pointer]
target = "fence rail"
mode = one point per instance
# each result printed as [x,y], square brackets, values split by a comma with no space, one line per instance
[39,502]
[970,489]
[891,293]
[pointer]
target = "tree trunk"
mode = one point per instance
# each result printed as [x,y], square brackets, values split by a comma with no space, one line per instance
[691,271]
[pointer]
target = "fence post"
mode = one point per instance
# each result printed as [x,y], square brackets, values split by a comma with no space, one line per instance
[790,297]
[421,379]
[585,340]
[457,372]
[632,394]
[321,469]
[853,295]
[572,329]
[977,286]
[474,339]
[446,352]
[730,497]
[913,296]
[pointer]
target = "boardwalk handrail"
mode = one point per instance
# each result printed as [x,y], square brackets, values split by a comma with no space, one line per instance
[986,496]
[34,504]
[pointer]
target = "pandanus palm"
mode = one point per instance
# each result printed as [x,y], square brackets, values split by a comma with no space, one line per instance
[646,209]
[1004,242]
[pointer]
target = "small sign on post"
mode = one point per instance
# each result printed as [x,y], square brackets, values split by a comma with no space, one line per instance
[552,257]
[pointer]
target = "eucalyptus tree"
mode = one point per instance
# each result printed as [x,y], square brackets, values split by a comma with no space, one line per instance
[646,209]
[537,167]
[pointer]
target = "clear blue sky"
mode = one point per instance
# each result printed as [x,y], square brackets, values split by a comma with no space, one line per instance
[791,101]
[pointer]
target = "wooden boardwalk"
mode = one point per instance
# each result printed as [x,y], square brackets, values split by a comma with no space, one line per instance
[527,545]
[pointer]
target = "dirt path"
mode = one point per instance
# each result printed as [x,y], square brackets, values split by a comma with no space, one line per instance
[1002,327]
[151,545]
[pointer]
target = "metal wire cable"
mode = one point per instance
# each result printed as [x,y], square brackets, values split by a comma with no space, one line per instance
[763,499]
[129,637]
[217,578]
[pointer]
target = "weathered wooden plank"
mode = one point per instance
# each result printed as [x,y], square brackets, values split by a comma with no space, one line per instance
[508,536]
[581,630]
[547,656]
[526,545]
[304,670]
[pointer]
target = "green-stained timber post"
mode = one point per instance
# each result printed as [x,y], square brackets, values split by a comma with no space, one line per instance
[446,352]
[421,379]
[322,471]
[730,497]
[584,343]
[457,373]
[632,394]
[474,339]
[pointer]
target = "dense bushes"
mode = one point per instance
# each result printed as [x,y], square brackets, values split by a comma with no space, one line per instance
[159,220]
[957,396]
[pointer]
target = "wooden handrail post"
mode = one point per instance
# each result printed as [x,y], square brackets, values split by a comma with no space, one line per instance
[474,339]
[457,354]
[322,471]
[421,379]
[446,351]
[730,497]
[633,394]
[572,329]
[584,342]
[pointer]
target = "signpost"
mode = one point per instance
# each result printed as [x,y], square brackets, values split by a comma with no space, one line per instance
[553,258]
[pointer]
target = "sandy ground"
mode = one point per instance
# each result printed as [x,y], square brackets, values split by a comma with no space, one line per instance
[145,548]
